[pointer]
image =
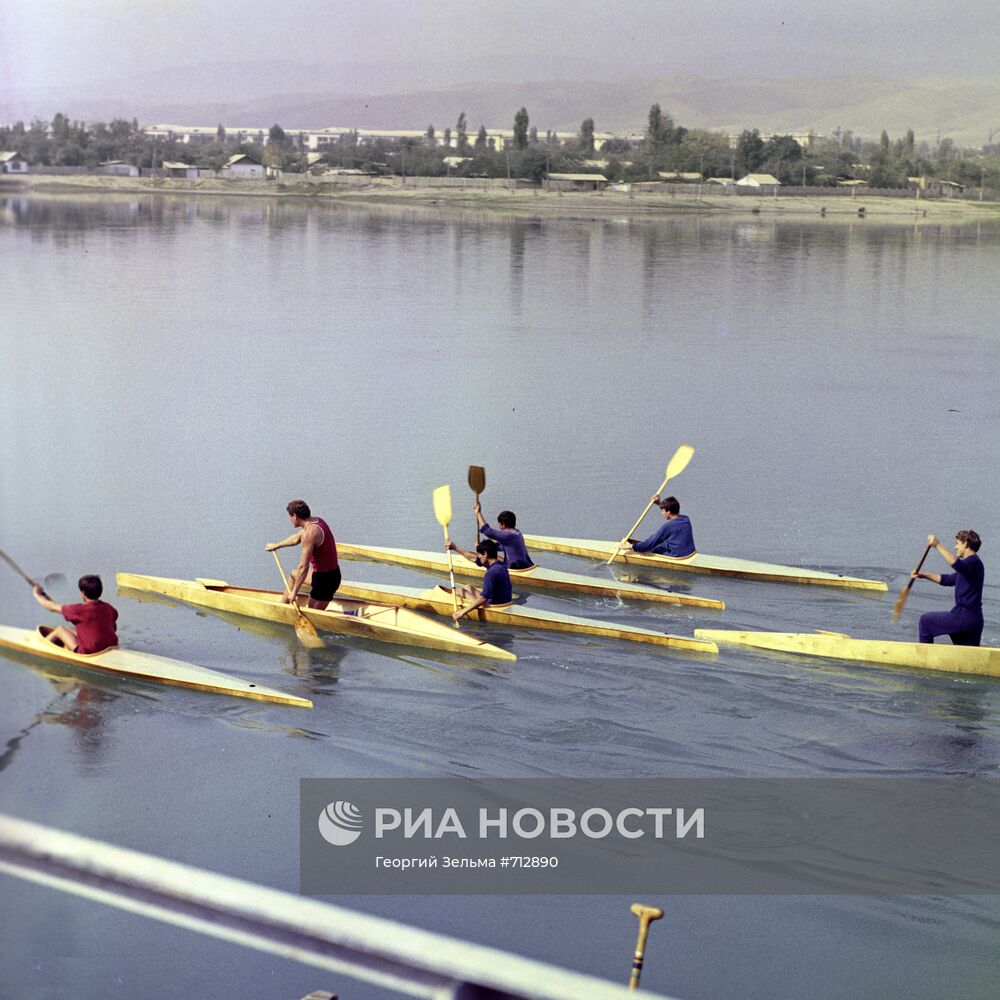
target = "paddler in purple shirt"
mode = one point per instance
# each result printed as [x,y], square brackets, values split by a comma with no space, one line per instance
[964,623]
[674,537]
[510,541]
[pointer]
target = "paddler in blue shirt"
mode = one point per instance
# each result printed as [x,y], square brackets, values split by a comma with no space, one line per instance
[964,623]
[496,584]
[513,551]
[674,537]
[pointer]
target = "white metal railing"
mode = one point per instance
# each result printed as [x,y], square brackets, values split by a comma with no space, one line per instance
[416,962]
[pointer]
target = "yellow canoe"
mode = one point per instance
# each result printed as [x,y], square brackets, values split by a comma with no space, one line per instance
[365,619]
[536,578]
[983,660]
[144,666]
[438,600]
[746,569]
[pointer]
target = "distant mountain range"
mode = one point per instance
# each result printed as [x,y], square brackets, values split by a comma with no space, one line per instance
[963,109]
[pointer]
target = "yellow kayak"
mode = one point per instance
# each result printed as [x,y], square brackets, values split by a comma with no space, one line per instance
[365,619]
[144,666]
[983,660]
[746,569]
[535,578]
[438,600]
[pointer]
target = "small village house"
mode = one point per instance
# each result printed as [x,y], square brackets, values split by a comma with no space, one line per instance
[118,168]
[13,162]
[758,181]
[243,165]
[576,182]
[174,168]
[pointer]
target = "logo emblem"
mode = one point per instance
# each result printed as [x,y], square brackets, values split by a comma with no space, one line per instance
[340,823]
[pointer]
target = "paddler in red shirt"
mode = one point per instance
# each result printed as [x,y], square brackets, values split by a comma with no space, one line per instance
[94,619]
[319,553]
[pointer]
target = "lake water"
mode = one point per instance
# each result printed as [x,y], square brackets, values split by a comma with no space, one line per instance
[175,370]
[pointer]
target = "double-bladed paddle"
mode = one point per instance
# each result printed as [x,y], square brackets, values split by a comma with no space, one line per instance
[442,511]
[20,572]
[304,628]
[675,467]
[905,592]
[477,483]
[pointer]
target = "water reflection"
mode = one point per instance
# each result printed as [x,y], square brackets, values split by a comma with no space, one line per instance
[76,705]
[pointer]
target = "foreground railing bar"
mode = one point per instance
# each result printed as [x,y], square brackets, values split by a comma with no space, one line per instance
[419,963]
[406,982]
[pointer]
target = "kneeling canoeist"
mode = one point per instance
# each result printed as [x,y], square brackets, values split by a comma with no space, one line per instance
[94,619]
[510,542]
[674,537]
[964,623]
[496,584]
[319,553]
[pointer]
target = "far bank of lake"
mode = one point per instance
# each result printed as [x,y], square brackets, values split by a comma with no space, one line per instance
[526,201]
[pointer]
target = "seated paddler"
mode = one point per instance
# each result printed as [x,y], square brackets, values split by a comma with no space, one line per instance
[675,537]
[94,619]
[496,587]
[510,541]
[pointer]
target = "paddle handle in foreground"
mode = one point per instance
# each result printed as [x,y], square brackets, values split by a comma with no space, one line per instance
[646,915]
[677,464]
[905,592]
[304,628]
[442,511]
[20,572]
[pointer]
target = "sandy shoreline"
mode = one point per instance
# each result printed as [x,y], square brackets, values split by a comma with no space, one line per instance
[531,201]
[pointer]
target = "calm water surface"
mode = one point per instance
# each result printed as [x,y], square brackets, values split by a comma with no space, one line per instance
[175,370]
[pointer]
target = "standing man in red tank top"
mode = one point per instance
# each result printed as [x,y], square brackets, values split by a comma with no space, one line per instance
[319,553]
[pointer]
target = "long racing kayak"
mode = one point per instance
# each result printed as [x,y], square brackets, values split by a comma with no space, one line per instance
[537,577]
[438,600]
[983,660]
[144,666]
[366,619]
[701,563]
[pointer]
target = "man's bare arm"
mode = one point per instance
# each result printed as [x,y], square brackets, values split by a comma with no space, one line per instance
[285,543]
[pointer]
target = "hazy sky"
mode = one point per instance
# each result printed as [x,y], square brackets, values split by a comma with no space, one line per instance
[390,44]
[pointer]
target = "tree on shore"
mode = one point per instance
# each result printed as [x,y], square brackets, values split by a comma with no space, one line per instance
[750,151]
[586,137]
[480,143]
[462,133]
[521,129]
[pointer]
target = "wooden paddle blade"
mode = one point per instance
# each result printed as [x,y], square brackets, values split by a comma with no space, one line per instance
[477,479]
[905,592]
[901,600]
[306,631]
[679,462]
[442,505]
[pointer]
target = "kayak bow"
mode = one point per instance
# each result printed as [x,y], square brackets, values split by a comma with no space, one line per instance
[145,666]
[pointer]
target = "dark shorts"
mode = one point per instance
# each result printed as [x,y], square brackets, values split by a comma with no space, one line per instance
[324,585]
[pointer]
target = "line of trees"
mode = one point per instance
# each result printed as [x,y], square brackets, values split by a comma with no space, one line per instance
[665,147]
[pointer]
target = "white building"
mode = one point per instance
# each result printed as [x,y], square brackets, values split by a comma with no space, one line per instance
[758,181]
[243,165]
[13,163]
